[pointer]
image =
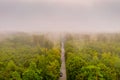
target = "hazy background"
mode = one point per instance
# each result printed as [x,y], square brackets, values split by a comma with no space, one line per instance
[60,15]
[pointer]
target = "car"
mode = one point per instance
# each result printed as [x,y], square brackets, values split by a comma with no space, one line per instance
[61,74]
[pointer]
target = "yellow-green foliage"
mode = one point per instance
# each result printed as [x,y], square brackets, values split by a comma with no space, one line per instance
[93,60]
[24,57]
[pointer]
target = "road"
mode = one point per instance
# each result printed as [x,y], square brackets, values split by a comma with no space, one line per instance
[63,67]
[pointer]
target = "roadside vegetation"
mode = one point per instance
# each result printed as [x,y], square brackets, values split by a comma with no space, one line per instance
[29,57]
[93,57]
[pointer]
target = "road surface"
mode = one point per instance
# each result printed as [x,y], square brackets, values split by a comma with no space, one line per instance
[63,67]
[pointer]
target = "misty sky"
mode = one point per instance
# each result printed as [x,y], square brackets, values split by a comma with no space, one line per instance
[60,15]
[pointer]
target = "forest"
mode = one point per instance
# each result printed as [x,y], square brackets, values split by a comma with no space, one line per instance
[38,56]
[93,57]
[29,57]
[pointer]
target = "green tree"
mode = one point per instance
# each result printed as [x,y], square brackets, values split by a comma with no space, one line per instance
[32,73]
[15,76]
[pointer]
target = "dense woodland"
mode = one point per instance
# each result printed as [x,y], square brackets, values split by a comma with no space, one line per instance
[93,57]
[29,57]
[37,57]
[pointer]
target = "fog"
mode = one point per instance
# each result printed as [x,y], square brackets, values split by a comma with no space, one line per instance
[60,15]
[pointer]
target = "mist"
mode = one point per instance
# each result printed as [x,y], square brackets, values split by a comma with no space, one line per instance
[60,16]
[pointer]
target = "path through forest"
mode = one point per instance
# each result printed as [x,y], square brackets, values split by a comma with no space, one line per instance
[63,67]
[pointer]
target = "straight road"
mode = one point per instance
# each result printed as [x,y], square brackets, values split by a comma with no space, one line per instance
[63,67]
